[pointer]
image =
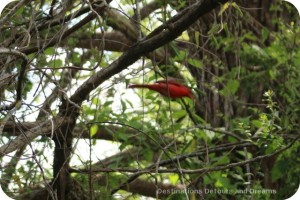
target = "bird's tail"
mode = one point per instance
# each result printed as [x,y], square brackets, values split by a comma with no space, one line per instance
[139,86]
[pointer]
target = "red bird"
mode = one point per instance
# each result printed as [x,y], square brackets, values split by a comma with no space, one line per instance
[176,90]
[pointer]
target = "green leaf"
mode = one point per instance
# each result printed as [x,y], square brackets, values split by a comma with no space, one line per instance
[265,34]
[237,8]
[238,177]
[223,8]
[210,134]
[173,178]
[272,74]
[230,88]
[259,51]
[76,58]
[222,182]
[243,153]
[107,103]
[207,180]
[179,113]
[49,51]
[222,160]
[93,130]
[195,62]
[214,29]
[56,63]
[95,101]
[181,56]
[124,107]
[256,123]
[197,34]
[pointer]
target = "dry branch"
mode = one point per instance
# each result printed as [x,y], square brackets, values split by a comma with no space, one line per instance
[43,128]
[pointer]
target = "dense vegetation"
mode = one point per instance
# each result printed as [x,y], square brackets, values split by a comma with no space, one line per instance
[64,71]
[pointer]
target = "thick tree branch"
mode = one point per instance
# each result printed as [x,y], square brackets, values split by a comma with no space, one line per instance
[103,133]
[111,41]
[142,187]
[46,127]
[149,8]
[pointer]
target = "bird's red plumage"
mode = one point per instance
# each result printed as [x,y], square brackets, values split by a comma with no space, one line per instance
[168,88]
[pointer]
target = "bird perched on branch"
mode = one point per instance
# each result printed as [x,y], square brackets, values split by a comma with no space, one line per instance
[168,88]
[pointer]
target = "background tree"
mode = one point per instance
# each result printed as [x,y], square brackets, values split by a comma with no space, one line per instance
[65,66]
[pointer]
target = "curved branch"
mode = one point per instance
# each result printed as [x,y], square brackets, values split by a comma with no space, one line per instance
[20,78]
[149,8]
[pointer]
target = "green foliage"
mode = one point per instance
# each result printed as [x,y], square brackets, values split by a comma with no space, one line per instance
[230,88]
[195,63]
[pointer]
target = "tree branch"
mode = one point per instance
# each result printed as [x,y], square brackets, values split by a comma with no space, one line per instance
[23,67]
[67,32]
[43,128]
